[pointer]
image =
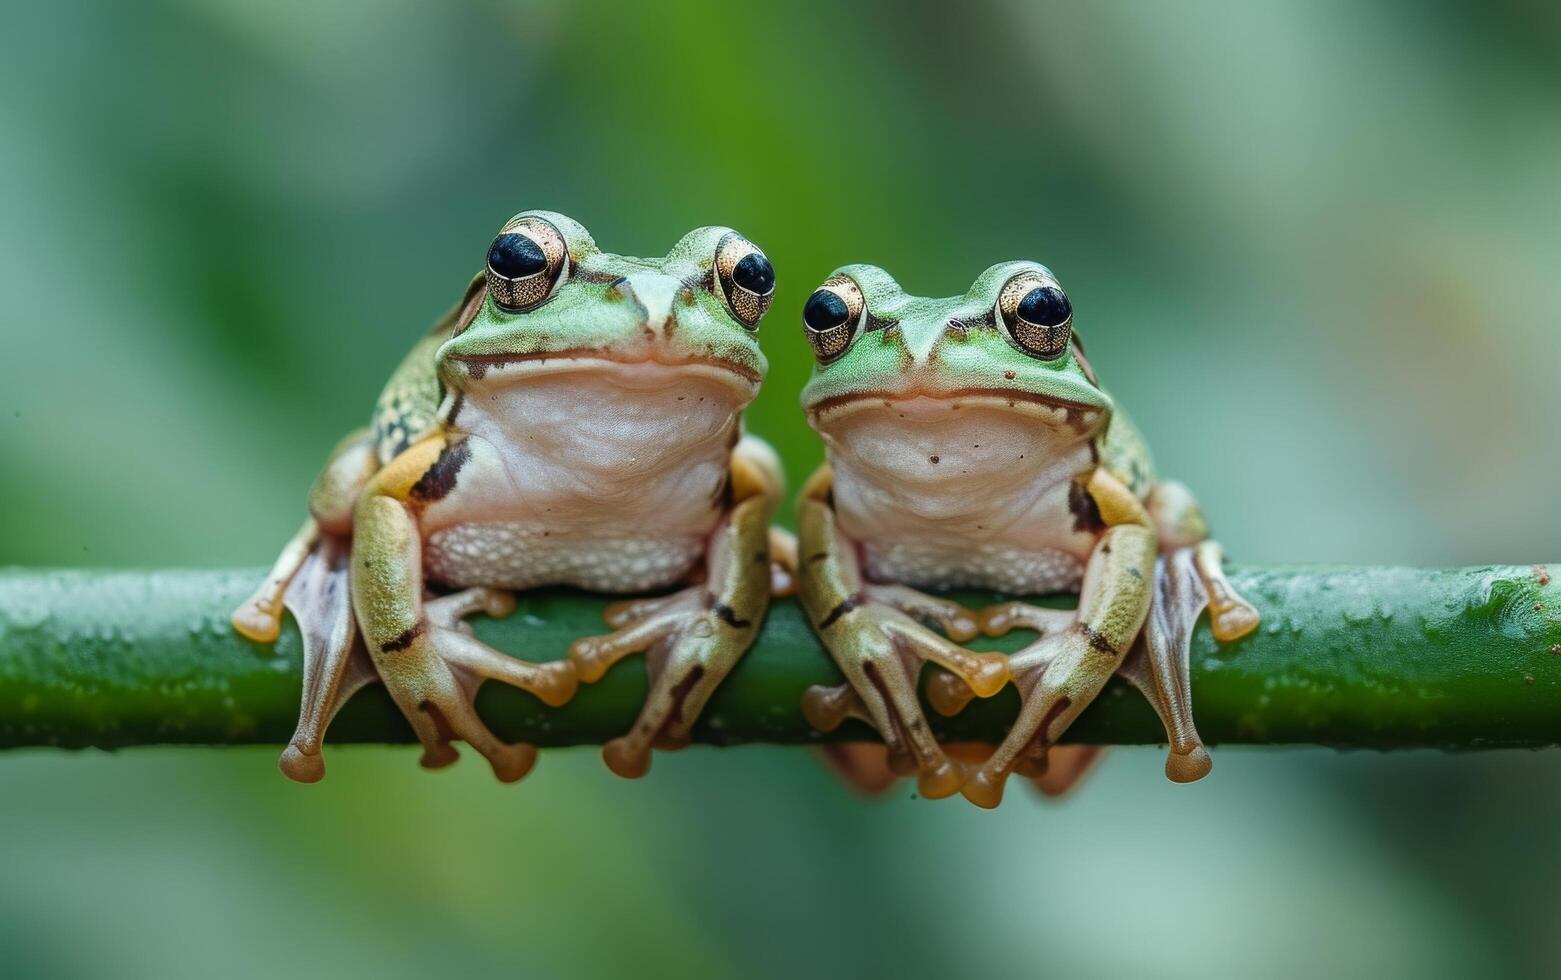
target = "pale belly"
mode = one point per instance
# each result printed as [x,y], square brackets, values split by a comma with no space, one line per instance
[941,499]
[606,478]
[972,564]
[525,555]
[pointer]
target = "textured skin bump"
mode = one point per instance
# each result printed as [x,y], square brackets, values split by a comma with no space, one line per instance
[516,555]
[991,567]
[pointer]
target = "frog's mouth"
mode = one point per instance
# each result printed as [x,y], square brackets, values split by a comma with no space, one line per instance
[509,368]
[1053,411]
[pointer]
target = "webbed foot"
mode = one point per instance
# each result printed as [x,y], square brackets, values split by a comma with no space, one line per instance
[881,649]
[691,641]
[434,671]
[1048,674]
[1186,581]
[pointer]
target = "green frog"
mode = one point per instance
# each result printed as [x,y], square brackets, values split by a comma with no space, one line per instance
[575,420]
[970,445]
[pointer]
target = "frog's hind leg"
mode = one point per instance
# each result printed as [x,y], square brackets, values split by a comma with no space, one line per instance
[1061,673]
[693,638]
[335,664]
[1159,663]
[1189,577]
[875,636]
[426,655]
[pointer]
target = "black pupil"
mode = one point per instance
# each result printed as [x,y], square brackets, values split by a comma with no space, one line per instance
[1045,306]
[754,273]
[516,256]
[825,310]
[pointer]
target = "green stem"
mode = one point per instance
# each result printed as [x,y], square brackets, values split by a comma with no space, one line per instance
[1348,657]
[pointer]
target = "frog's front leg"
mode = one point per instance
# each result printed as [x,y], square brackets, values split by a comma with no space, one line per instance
[425,655]
[1060,674]
[1181,526]
[873,635]
[694,637]
[331,499]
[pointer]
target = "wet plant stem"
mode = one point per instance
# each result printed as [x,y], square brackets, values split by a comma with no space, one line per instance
[1346,657]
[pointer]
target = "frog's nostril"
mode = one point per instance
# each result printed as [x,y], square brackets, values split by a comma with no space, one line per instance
[655,295]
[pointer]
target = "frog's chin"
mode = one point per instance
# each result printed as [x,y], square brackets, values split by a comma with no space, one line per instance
[1067,418]
[631,372]
[973,446]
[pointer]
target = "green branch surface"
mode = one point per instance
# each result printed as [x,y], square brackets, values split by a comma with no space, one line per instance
[1346,657]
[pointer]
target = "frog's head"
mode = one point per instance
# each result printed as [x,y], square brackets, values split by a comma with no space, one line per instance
[550,304]
[900,368]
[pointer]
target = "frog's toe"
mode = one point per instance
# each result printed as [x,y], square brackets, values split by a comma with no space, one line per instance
[984,788]
[631,612]
[434,674]
[645,623]
[552,682]
[941,779]
[947,694]
[450,611]
[1235,621]
[783,562]
[883,679]
[301,766]
[1189,766]
[692,641]
[881,649]
[1186,581]
[826,708]
[627,757]
[984,674]
[446,713]
[1231,615]
[260,617]
[958,622]
[1056,680]
[438,756]
[335,663]
[255,622]
[1001,618]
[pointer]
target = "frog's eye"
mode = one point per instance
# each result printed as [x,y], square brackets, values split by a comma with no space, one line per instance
[832,317]
[745,278]
[1036,315]
[526,264]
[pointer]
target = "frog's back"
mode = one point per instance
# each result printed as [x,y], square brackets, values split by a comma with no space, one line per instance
[1125,455]
[408,407]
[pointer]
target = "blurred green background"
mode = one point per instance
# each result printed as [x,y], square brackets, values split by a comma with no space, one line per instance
[1314,246]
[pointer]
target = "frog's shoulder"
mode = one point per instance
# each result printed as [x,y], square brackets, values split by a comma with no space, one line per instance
[1125,455]
[408,407]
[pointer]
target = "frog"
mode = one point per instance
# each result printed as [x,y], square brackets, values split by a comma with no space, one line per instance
[574,420]
[969,445]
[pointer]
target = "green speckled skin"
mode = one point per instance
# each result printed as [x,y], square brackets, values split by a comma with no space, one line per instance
[980,356]
[588,313]
[539,436]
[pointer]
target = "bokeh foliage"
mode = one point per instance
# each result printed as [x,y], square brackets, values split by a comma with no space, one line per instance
[1312,245]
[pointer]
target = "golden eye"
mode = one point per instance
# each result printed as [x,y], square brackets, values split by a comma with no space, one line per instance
[1036,314]
[745,278]
[526,263]
[832,317]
